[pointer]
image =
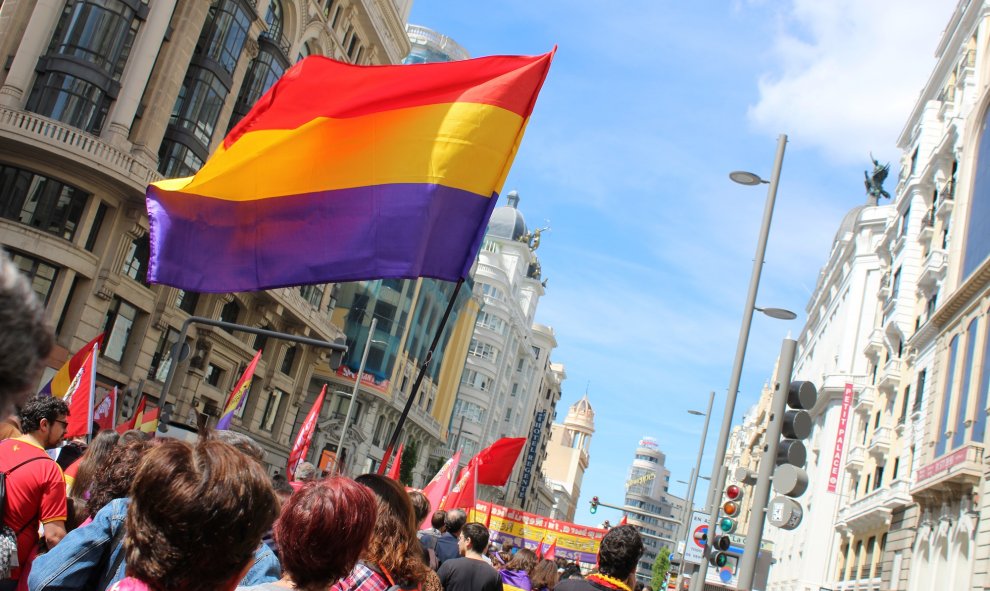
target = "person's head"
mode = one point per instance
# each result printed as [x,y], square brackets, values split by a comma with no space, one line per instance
[544,575]
[282,487]
[571,571]
[25,339]
[305,471]
[132,435]
[473,537]
[45,419]
[112,479]
[619,552]
[647,588]
[523,559]
[421,505]
[454,521]
[394,545]
[196,517]
[437,521]
[96,456]
[322,531]
[638,587]
[243,443]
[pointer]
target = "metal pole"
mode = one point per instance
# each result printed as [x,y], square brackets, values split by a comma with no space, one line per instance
[419,379]
[693,484]
[761,491]
[730,399]
[354,394]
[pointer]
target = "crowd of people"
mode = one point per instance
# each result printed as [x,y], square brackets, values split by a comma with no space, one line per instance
[127,512]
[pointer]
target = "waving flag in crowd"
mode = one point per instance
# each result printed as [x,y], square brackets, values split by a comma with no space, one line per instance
[387,171]
[237,395]
[301,447]
[79,397]
[59,384]
[104,413]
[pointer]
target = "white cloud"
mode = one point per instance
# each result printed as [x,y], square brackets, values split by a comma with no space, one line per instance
[848,72]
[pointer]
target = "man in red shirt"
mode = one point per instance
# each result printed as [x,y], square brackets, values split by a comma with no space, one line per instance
[35,488]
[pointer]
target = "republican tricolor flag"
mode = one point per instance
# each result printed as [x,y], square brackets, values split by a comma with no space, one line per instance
[58,386]
[236,398]
[385,171]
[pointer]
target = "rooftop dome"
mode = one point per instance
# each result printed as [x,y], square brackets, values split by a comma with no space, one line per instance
[507,221]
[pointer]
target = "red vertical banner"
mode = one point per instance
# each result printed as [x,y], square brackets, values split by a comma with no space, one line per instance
[840,439]
[301,446]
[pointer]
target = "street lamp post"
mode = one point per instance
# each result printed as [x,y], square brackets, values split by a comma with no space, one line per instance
[354,394]
[694,477]
[730,399]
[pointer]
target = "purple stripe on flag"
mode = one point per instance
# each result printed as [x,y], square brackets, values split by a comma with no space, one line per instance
[385,231]
[517,580]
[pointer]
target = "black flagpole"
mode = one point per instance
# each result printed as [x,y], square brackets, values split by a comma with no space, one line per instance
[419,379]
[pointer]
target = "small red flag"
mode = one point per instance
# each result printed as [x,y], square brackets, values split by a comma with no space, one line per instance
[133,422]
[496,461]
[104,413]
[463,497]
[437,489]
[393,472]
[301,447]
[551,552]
[625,520]
[79,397]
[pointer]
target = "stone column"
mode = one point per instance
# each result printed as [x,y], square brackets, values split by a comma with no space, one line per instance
[138,71]
[37,35]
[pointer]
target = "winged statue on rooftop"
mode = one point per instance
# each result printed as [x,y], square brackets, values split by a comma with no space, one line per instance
[874,182]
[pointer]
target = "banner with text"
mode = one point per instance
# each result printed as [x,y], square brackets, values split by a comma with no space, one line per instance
[526,530]
[840,439]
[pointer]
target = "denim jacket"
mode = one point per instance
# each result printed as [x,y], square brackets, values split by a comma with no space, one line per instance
[78,562]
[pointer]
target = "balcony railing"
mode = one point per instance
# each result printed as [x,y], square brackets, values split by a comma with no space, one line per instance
[77,143]
[946,196]
[962,467]
[864,399]
[880,443]
[890,377]
[854,461]
[934,267]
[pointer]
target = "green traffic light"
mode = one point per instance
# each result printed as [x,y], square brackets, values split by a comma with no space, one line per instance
[594,509]
[727,525]
[721,560]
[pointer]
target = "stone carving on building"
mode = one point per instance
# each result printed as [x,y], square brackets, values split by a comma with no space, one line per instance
[874,181]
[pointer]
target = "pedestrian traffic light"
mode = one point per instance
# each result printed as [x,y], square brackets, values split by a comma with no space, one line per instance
[594,505]
[128,401]
[790,480]
[164,416]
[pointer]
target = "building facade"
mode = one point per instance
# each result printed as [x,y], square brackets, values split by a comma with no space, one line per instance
[568,457]
[97,101]
[647,489]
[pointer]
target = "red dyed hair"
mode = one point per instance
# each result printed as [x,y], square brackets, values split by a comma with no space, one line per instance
[323,529]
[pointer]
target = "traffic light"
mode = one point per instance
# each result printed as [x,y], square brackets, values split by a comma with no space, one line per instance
[594,505]
[731,508]
[164,416]
[128,402]
[789,477]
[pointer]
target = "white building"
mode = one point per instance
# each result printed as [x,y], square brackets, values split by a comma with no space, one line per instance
[508,371]
[840,323]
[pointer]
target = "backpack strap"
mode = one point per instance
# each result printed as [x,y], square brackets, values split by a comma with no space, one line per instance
[27,461]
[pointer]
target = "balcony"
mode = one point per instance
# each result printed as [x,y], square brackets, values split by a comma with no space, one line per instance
[865,514]
[890,377]
[854,461]
[864,399]
[927,226]
[933,269]
[883,293]
[78,146]
[944,204]
[950,472]
[874,345]
[880,442]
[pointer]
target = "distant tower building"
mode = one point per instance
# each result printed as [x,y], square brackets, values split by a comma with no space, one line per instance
[646,489]
[430,46]
[567,457]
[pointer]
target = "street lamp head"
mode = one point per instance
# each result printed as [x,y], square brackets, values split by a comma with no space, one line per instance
[778,313]
[746,178]
[696,413]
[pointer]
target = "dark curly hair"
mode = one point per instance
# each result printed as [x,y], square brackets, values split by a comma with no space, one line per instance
[394,545]
[323,529]
[112,480]
[197,515]
[45,407]
[25,339]
[620,551]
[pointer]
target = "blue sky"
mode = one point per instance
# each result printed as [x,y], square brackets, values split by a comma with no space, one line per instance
[648,106]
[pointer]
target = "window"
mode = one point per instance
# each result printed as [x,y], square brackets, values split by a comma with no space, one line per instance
[175,159]
[469,410]
[88,51]
[287,361]
[94,231]
[312,294]
[39,273]
[136,260]
[379,426]
[476,380]
[261,340]
[273,19]
[327,7]
[491,291]
[920,392]
[224,41]
[904,405]
[385,313]
[161,361]
[214,375]
[904,220]
[230,311]
[272,400]
[198,105]
[117,328]
[491,322]
[187,301]
[896,285]
[959,432]
[40,202]
[265,70]
[483,350]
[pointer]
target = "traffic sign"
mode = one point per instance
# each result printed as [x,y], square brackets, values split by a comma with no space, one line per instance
[694,551]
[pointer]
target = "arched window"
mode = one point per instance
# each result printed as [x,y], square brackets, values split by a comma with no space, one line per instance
[274,18]
[230,312]
[940,439]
